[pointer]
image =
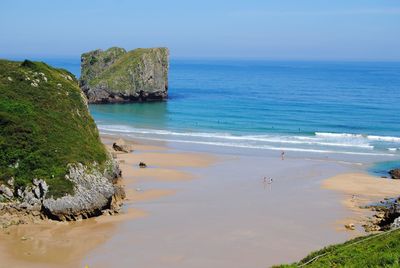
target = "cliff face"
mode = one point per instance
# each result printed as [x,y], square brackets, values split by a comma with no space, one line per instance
[117,76]
[52,162]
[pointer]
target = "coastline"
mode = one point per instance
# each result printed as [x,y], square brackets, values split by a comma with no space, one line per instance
[358,191]
[228,205]
[47,243]
[218,195]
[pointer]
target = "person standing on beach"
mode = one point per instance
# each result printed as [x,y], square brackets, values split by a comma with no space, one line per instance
[283,155]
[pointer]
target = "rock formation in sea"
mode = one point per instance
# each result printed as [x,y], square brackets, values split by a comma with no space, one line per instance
[52,162]
[118,76]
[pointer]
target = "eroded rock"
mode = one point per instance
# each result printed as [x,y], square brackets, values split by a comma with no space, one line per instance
[122,146]
[395,173]
[93,192]
[6,192]
[117,76]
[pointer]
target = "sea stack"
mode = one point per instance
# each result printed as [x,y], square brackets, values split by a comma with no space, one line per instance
[118,76]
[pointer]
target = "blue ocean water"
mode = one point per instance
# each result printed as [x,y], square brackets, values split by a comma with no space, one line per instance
[345,107]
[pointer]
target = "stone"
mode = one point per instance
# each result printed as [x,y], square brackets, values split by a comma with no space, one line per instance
[93,193]
[395,224]
[118,76]
[11,182]
[350,226]
[142,165]
[395,173]
[6,192]
[44,188]
[36,192]
[121,146]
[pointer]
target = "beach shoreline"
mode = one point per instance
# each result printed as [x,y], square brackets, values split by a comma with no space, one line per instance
[46,243]
[175,178]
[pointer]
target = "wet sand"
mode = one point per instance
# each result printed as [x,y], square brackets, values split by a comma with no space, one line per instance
[200,210]
[220,213]
[63,244]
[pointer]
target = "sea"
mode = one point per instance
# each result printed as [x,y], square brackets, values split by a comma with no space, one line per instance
[303,106]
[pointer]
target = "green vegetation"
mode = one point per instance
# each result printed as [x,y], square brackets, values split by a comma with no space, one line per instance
[377,250]
[44,125]
[118,69]
[98,61]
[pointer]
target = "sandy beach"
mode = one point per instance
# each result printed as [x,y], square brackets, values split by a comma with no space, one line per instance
[191,209]
[359,190]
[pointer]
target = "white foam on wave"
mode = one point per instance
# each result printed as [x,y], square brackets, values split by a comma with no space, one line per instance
[359,136]
[282,139]
[384,138]
[337,135]
[267,147]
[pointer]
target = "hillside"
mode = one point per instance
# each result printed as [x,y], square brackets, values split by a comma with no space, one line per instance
[45,132]
[377,250]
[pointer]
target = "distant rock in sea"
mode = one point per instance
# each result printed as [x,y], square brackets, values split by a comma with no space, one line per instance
[118,76]
[52,162]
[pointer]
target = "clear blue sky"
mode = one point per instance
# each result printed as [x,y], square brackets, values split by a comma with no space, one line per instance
[279,29]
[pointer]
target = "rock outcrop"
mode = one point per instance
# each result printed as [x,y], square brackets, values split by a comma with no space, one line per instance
[387,215]
[52,162]
[117,76]
[94,193]
[395,173]
[121,146]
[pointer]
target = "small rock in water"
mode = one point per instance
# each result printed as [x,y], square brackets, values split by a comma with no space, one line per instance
[350,226]
[138,190]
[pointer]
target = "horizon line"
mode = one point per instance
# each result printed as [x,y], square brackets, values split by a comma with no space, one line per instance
[205,58]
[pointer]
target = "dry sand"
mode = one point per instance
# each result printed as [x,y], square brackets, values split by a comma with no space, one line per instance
[359,189]
[64,244]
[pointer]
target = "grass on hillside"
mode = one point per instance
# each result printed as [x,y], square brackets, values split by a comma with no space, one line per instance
[120,75]
[44,127]
[377,250]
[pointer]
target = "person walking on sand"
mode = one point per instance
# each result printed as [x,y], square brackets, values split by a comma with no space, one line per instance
[283,155]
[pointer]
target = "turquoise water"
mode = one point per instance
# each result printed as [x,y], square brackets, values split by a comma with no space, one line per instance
[345,107]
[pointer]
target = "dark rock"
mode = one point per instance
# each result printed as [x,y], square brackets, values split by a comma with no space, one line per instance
[142,165]
[121,146]
[386,214]
[118,76]
[395,173]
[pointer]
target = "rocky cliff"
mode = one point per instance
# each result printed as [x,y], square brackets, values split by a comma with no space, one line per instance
[118,76]
[52,162]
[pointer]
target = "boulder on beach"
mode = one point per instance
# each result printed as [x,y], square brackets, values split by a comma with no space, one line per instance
[121,145]
[142,165]
[395,173]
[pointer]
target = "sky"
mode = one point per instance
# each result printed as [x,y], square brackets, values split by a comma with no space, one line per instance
[251,29]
